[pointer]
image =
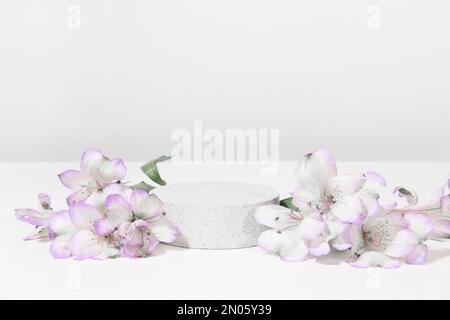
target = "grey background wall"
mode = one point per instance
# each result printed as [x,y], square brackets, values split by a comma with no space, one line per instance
[366,79]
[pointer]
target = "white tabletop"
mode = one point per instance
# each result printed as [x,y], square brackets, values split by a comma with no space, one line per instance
[28,271]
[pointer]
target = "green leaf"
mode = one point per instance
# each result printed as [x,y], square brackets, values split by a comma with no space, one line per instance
[288,203]
[143,185]
[151,170]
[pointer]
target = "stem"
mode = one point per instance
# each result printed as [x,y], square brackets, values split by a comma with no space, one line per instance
[417,210]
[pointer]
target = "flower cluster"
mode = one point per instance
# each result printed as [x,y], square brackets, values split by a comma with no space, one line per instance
[344,212]
[104,217]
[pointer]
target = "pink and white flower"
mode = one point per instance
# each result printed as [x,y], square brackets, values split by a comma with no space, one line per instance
[73,234]
[321,189]
[139,222]
[96,172]
[384,239]
[105,217]
[294,234]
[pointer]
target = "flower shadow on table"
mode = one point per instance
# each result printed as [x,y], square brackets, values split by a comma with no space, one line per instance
[162,249]
[435,255]
[333,258]
[337,258]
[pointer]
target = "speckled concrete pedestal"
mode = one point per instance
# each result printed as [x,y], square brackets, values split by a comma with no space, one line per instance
[215,215]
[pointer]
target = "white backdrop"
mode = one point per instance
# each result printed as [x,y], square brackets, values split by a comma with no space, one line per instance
[366,79]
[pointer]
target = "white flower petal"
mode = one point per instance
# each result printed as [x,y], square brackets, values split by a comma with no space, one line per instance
[313,174]
[85,245]
[61,230]
[145,206]
[118,211]
[163,230]
[111,170]
[375,177]
[349,209]
[343,240]
[312,226]
[60,223]
[91,161]
[370,201]
[287,244]
[402,245]
[84,215]
[306,197]
[275,216]
[74,179]
[420,224]
[375,259]
[344,185]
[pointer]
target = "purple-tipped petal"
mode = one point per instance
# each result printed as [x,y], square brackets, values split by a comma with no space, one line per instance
[375,177]
[62,230]
[58,248]
[104,227]
[150,244]
[319,247]
[85,245]
[77,196]
[418,255]
[60,223]
[118,208]
[118,211]
[84,215]
[134,237]
[163,230]
[344,240]
[275,216]
[145,206]
[112,170]
[33,217]
[370,200]
[91,161]
[74,179]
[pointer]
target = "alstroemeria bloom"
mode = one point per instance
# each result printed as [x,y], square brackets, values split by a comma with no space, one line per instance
[38,218]
[139,222]
[96,172]
[293,235]
[385,238]
[73,234]
[321,189]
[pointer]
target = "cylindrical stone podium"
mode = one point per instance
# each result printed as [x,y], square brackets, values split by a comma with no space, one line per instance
[215,215]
